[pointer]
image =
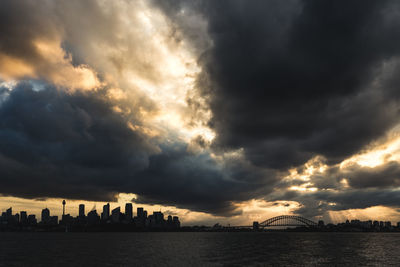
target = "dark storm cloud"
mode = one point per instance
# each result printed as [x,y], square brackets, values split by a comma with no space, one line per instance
[53,143]
[176,177]
[288,80]
[386,175]
[76,145]
[57,144]
[21,22]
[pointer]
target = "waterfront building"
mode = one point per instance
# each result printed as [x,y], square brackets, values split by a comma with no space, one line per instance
[53,220]
[23,218]
[177,223]
[66,219]
[140,212]
[106,212]
[116,215]
[128,212]
[93,218]
[32,221]
[82,210]
[8,216]
[16,218]
[45,215]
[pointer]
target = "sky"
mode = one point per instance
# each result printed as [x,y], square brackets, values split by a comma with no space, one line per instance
[215,111]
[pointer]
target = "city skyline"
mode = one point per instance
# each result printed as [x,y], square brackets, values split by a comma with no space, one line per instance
[107,219]
[116,220]
[74,210]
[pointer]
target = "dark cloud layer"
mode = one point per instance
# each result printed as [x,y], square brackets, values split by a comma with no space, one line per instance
[53,143]
[76,145]
[299,86]
[290,80]
[57,144]
[386,175]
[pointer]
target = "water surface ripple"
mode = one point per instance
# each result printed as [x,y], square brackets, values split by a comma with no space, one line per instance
[199,249]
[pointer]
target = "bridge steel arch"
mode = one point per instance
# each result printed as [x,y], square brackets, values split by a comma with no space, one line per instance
[288,220]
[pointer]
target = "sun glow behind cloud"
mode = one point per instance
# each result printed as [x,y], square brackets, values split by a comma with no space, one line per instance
[53,66]
[151,58]
[378,153]
[178,71]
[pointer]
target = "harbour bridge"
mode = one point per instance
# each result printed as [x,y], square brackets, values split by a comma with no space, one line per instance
[282,221]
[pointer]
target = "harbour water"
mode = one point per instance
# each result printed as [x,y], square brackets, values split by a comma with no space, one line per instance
[199,249]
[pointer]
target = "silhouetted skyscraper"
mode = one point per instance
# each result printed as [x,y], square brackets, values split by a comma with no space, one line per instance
[140,213]
[93,218]
[81,210]
[9,213]
[53,220]
[116,215]
[45,215]
[176,221]
[158,217]
[140,219]
[128,211]
[32,220]
[170,223]
[106,211]
[24,218]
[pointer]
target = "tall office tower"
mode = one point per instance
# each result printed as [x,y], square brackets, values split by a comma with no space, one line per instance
[159,218]
[32,220]
[140,213]
[45,215]
[106,211]
[92,217]
[176,221]
[64,206]
[82,210]
[116,215]
[9,213]
[128,211]
[24,218]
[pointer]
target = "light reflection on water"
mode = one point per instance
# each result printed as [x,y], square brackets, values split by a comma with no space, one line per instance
[199,249]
